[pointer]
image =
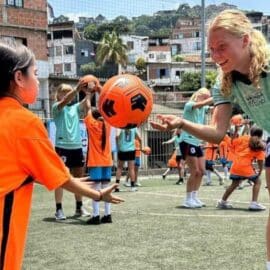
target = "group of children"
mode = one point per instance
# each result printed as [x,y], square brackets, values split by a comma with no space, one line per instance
[99,161]
[241,155]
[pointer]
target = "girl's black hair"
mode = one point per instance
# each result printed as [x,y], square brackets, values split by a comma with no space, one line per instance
[13,57]
[96,115]
[255,141]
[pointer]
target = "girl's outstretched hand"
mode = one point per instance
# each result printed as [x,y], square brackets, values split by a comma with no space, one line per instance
[167,122]
[107,195]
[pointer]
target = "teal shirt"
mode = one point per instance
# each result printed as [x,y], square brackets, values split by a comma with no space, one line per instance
[126,140]
[196,116]
[67,122]
[177,140]
[254,102]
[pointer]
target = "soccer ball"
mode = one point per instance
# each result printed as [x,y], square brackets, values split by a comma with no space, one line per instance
[146,150]
[85,80]
[125,101]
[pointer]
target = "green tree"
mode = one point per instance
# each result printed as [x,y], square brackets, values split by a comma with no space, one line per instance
[141,66]
[191,81]
[91,32]
[111,50]
[178,58]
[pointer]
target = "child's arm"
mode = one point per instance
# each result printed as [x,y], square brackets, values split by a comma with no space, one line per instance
[169,141]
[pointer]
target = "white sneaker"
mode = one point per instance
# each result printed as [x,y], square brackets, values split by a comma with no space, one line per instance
[133,189]
[127,184]
[224,205]
[199,202]
[254,206]
[59,215]
[191,204]
[138,184]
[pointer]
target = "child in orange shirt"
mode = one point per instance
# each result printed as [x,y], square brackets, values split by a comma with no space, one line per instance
[26,153]
[247,149]
[99,160]
[210,155]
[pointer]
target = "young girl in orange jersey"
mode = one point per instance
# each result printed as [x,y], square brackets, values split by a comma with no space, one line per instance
[27,153]
[247,150]
[99,160]
[210,154]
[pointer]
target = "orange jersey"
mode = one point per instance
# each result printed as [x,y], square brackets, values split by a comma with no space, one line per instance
[96,157]
[137,148]
[223,147]
[26,154]
[210,152]
[172,161]
[244,156]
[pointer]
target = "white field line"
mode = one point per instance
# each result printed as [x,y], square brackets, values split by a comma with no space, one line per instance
[196,211]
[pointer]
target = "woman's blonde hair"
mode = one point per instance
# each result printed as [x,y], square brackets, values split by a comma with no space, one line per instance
[201,91]
[62,88]
[238,24]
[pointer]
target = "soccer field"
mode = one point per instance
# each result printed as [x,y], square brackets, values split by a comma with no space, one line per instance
[150,231]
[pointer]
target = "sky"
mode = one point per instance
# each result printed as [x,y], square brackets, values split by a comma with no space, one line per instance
[133,8]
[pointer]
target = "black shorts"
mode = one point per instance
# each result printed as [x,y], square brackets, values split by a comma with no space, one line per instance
[190,150]
[267,162]
[209,165]
[72,158]
[178,158]
[126,156]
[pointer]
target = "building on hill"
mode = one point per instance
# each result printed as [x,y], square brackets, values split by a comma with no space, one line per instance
[25,21]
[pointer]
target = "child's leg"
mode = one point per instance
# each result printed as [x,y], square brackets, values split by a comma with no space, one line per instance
[107,206]
[256,190]
[230,189]
[95,204]
[120,165]
[215,171]
[166,172]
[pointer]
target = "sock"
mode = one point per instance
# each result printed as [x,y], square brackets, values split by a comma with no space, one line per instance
[132,184]
[117,181]
[268,265]
[95,204]
[208,175]
[78,205]
[189,195]
[226,172]
[194,194]
[58,206]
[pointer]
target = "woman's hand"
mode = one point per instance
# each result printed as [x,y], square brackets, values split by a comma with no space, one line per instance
[106,195]
[168,122]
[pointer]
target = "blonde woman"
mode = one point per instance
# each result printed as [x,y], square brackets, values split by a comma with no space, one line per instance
[243,57]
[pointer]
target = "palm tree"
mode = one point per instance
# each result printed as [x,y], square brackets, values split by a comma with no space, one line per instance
[111,50]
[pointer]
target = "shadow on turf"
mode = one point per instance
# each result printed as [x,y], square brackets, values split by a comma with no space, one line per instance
[71,220]
[217,209]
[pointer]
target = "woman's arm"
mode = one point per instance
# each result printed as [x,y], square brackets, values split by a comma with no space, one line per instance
[213,133]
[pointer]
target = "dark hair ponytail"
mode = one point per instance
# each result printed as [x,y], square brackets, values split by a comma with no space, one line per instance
[13,57]
[96,115]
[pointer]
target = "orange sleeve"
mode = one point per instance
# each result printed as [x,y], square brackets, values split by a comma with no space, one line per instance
[38,158]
